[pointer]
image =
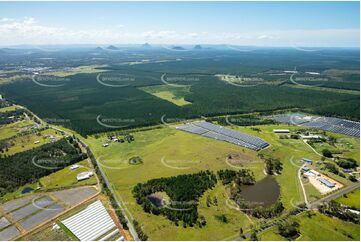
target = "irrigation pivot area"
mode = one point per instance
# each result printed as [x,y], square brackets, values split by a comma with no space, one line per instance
[335,125]
[218,132]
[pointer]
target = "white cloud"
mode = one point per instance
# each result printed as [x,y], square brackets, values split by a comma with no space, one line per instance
[30,31]
[269,37]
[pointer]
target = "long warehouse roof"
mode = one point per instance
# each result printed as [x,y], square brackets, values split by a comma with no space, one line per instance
[91,223]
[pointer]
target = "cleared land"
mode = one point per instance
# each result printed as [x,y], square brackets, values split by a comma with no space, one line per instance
[7,109]
[174,95]
[14,76]
[10,130]
[78,70]
[27,142]
[67,178]
[318,227]
[168,152]
[351,199]
[64,178]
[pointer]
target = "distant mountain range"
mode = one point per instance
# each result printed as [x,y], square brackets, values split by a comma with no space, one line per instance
[177,48]
[112,47]
[146,45]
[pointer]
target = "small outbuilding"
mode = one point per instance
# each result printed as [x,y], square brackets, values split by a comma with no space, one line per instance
[281,131]
[308,161]
[310,136]
[74,167]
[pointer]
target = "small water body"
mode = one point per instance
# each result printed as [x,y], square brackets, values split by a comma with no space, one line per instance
[157,201]
[264,193]
[27,190]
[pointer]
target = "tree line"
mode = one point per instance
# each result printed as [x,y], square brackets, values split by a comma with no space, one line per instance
[28,166]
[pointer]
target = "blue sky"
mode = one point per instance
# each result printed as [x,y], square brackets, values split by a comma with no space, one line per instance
[322,24]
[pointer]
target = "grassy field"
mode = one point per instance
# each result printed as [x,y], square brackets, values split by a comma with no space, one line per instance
[10,130]
[27,142]
[290,152]
[17,193]
[73,71]
[326,89]
[64,178]
[351,199]
[7,109]
[318,227]
[348,147]
[174,95]
[168,152]
[67,178]
[78,70]
[270,235]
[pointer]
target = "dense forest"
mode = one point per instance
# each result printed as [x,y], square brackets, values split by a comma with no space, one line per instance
[183,191]
[28,166]
[82,99]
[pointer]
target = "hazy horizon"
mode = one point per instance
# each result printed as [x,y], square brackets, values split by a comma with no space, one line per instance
[265,24]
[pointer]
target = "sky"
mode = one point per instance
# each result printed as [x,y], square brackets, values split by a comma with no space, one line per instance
[306,24]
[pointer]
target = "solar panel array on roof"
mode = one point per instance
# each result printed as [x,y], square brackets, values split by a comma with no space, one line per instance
[335,125]
[91,223]
[221,133]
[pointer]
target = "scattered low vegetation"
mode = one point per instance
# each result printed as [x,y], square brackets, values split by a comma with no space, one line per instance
[273,165]
[289,230]
[138,228]
[334,209]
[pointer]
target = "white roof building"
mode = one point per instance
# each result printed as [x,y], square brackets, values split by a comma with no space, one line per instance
[84,175]
[310,136]
[92,223]
[312,173]
[74,167]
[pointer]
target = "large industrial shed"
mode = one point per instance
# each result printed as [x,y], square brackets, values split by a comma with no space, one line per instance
[92,223]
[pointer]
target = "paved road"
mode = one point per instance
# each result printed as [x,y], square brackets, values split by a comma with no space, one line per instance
[132,229]
[129,224]
[335,195]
